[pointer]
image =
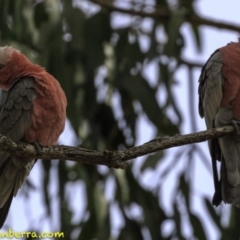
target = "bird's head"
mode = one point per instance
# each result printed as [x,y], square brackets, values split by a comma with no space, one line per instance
[6,55]
[12,65]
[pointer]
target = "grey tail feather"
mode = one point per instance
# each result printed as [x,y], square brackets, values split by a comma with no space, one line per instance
[5,209]
[215,153]
[217,197]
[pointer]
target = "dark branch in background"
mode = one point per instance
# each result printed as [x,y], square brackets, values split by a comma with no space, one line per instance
[113,159]
[191,64]
[164,15]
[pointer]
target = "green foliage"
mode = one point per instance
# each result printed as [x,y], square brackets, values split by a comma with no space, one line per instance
[75,45]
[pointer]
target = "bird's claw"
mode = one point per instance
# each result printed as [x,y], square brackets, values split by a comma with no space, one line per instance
[38,147]
[235,124]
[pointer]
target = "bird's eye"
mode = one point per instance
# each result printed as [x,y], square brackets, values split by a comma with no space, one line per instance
[1,66]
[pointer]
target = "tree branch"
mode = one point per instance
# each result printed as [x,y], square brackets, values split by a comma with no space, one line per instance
[113,159]
[164,15]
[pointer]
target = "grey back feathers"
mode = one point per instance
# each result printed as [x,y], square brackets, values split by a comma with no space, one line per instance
[15,120]
[210,88]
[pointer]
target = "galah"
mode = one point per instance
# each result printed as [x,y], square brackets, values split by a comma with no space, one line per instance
[32,110]
[219,103]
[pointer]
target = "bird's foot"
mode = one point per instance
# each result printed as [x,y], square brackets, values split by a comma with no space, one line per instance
[235,125]
[38,147]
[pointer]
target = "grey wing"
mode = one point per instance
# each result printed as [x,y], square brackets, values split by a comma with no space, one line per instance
[210,88]
[210,97]
[15,119]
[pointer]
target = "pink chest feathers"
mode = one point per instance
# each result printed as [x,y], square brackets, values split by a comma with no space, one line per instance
[48,113]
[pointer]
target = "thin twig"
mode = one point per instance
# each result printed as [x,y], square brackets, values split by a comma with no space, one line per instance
[163,14]
[108,158]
